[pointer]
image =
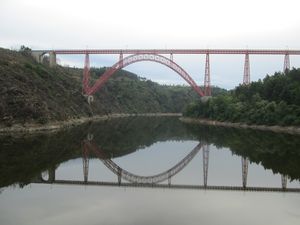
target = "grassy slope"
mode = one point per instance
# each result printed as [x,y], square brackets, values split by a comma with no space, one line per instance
[33,92]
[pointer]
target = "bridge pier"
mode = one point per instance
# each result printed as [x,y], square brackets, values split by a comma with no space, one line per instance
[286,65]
[121,59]
[205,98]
[90,137]
[284,181]
[52,59]
[37,55]
[205,164]
[86,74]
[85,164]
[245,163]
[207,87]
[246,79]
[51,174]
[90,99]
[119,176]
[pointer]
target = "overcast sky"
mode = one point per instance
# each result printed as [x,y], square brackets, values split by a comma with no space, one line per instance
[58,24]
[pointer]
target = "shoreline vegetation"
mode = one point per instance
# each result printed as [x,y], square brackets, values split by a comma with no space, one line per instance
[31,128]
[275,128]
[55,126]
[269,104]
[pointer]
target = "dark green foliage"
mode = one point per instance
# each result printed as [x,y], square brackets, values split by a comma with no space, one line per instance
[32,92]
[25,50]
[273,101]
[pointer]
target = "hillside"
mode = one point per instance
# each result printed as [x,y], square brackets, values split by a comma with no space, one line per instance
[275,100]
[32,92]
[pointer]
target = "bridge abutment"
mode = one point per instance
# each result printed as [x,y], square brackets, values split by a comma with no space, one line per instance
[204,99]
[90,99]
[37,55]
[245,164]
[51,173]
[52,59]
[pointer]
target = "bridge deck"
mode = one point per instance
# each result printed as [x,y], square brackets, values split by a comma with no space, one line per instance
[173,186]
[174,51]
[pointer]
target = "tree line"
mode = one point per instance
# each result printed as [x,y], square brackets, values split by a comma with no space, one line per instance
[275,100]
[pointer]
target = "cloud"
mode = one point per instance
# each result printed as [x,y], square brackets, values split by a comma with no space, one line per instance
[155,24]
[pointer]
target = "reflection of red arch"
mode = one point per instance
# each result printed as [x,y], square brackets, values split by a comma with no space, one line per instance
[130,60]
[133,178]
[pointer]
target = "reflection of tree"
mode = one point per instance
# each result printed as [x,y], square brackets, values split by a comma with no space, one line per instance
[21,158]
[123,136]
[279,152]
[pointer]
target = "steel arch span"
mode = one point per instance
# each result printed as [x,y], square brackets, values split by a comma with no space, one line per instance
[123,62]
[133,178]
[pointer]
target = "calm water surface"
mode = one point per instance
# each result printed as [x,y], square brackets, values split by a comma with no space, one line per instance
[93,174]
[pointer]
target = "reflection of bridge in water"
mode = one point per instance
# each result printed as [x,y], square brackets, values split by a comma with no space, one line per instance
[155,180]
[173,186]
[128,176]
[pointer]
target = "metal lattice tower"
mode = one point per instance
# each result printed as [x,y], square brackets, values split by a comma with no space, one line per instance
[121,59]
[205,164]
[246,79]
[119,175]
[51,174]
[86,74]
[286,65]
[207,87]
[245,163]
[284,181]
[85,164]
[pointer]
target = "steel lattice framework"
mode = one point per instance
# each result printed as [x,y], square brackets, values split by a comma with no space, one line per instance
[205,164]
[89,145]
[245,164]
[155,55]
[246,79]
[175,51]
[128,176]
[134,59]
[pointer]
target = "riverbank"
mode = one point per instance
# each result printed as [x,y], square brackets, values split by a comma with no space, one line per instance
[54,126]
[277,129]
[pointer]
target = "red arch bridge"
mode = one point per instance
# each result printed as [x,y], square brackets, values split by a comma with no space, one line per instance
[158,56]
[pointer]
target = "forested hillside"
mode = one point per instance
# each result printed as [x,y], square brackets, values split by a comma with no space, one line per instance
[33,92]
[275,100]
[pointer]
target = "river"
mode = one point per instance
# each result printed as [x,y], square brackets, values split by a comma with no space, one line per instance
[150,170]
